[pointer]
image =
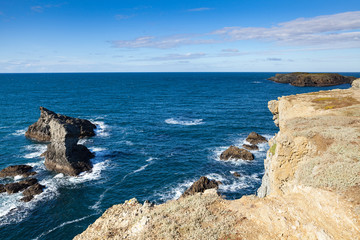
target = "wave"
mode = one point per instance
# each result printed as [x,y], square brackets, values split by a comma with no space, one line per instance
[175,192]
[184,122]
[102,129]
[19,132]
[36,150]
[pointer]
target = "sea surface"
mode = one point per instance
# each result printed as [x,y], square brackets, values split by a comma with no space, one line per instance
[157,134]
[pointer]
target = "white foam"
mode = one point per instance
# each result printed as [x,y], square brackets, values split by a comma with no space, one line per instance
[256,82]
[94,174]
[216,177]
[18,177]
[175,192]
[82,141]
[150,159]
[233,186]
[102,130]
[129,143]
[36,150]
[19,132]
[184,122]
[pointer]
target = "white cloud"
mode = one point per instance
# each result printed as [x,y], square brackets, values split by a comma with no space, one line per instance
[199,9]
[179,56]
[230,50]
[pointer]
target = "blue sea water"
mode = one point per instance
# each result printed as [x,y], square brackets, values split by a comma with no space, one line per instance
[157,133]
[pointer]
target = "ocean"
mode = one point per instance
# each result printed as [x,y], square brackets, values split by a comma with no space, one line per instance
[157,134]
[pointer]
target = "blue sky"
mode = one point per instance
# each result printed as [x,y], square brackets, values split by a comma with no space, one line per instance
[180,36]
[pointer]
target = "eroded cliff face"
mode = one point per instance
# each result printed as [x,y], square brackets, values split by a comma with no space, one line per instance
[310,190]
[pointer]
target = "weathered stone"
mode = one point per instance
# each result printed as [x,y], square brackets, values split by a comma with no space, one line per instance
[236,174]
[312,79]
[236,153]
[40,131]
[27,198]
[31,191]
[255,138]
[2,188]
[19,186]
[14,170]
[250,147]
[200,186]
[356,84]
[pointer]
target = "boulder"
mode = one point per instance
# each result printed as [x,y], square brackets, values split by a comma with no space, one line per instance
[14,170]
[31,191]
[255,138]
[236,174]
[356,84]
[2,188]
[40,131]
[236,153]
[250,147]
[19,186]
[302,79]
[200,186]
[63,154]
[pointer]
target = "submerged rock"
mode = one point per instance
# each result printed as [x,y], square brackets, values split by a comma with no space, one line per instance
[312,79]
[236,153]
[63,154]
[19,186]
[255,138]
[236,174]
[40,131]
[250,147]
[200,186]
[15,170]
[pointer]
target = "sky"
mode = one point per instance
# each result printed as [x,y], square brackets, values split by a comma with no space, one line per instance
[179,36]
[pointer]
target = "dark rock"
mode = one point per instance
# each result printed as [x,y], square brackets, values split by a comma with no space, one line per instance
[19,186]
[236,153]
[2,188]
[255,138]
[200,186]
[63,154]
[35,189]
[250,147]
[312,79]
[236,174]
[40,131]
[27,198]
[15,170]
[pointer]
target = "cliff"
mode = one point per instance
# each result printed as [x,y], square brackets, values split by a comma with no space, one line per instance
[310,190]
[301,79]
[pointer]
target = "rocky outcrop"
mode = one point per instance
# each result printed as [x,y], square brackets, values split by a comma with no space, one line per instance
[310,190]
[17,170]
[236,153]
[356,84]
[254,138]
[63,154]
[300,79]
[250,147]
[40,131]
[200,186]
[11,188]
[31,191]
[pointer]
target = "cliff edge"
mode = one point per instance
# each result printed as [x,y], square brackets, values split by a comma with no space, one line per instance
[310,190]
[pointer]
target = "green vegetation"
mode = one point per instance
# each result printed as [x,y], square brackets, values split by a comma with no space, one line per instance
[272,149]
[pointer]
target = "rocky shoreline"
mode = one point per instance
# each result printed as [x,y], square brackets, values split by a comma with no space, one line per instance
[310,189]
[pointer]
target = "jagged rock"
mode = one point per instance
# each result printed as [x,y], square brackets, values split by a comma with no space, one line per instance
[31,191]
[236,153]
[250,147]
[236,174]
[200,186]
[40,130]
[19,186]
[356,84]
[312,79]
[2,188]
[14,170]
[63,154]
[255,138]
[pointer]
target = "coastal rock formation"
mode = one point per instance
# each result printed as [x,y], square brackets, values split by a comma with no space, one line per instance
[250,147]
[40,131]
[63,154]
[236,153]
[31,191]
[11,188]
[200,186]
[300,79]
[16,170]
[255,138]
[310,190]
[356,84]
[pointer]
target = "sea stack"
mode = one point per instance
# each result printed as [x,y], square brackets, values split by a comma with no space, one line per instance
[63,154]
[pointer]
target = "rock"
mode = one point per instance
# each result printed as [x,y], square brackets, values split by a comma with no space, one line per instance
[63,154]
[236,174]
[14,170]
[312,79]
[19,186]
[250,147]
[2,188]
[27,198]
[356,84]
[40,131]
[200,186]
[236,153]
[31,191]
[255,138]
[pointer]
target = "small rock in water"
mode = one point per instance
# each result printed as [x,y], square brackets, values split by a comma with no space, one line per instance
[2,188]
[15,170]
[236,153]
[250,147]
[236,174]
[19,186]
[200,186]
[31,191]
[255,138]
